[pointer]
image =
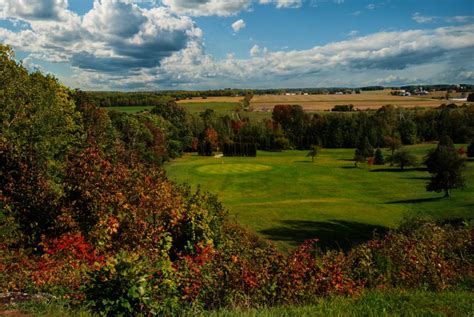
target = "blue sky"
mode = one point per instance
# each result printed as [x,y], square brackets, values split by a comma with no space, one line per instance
[201,44]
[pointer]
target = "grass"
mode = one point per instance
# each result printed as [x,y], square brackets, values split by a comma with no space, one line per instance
[372,303]
[293,199]
[130,109]
[221,108]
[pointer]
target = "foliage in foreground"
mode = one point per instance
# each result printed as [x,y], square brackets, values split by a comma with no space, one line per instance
[244,271]
[370,303]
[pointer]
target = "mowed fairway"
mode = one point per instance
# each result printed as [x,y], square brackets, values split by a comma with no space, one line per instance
[286,198]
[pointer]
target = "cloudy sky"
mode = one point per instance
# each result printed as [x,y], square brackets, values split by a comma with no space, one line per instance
[202,44]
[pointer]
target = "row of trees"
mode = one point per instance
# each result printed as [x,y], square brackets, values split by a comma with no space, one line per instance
[240,149]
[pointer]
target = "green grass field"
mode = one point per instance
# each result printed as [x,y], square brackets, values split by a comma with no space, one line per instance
[287,199]
[221,108]
[130,109]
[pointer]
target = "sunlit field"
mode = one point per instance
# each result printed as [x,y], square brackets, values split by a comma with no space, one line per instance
[287,199]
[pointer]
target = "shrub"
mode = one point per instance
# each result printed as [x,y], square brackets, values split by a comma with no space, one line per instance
[379,158]
[429,257]
[403,158]
[121,287]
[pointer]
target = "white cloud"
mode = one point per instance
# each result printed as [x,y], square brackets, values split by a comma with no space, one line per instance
[208,7]
[238,25]
[257,51]
[371,6]
[418,18]
[382,52]
[289,3]
[353,33]
[101,41]
[393,80]
[33,9]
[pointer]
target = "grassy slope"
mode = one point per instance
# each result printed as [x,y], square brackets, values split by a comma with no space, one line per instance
[394,303]
[330,199]
[374,304]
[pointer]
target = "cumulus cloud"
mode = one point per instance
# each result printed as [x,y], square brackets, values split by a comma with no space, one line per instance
[387,56]
[255,50]
[33,9]
[101,41]
[208,7]
[238,25]
[284,3]
[223,7]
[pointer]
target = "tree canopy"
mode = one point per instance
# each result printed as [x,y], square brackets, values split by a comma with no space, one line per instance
[446,168]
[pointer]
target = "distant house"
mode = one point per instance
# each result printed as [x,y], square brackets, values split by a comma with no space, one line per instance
[339,93]
[401,92]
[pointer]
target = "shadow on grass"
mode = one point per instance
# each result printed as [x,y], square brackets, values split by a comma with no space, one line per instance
[303,162]
[415,201]
[397,170]
[424,178]
[333,234]
[348,167]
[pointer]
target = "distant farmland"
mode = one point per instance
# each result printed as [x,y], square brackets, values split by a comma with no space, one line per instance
[365,100]
[262,105]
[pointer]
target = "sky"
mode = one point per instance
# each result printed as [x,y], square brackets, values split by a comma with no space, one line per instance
[212,44]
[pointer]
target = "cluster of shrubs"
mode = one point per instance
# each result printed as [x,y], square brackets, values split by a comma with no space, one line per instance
[241,270]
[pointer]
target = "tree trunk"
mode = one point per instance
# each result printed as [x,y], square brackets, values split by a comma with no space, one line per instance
[446,193]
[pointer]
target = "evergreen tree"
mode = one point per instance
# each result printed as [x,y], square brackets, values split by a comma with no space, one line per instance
[446,168]
[379,158]
[363,151]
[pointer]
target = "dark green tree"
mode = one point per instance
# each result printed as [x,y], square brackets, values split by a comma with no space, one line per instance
[402,158]
[446,168]
[363,151]
[379,158]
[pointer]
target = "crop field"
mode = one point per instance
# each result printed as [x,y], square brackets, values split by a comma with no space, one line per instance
[365,100]
[287,199]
